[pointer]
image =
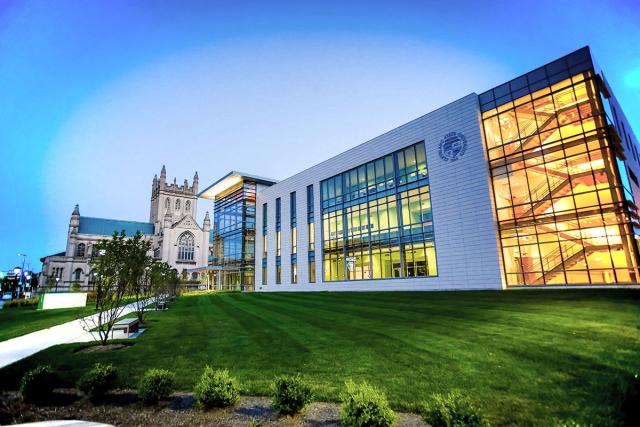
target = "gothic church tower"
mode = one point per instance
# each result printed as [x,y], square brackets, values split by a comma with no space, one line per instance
[173,199]
[178,239]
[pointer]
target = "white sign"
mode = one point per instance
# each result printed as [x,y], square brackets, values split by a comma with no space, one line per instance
[64,300]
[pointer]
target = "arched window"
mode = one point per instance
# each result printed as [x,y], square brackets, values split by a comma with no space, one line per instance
[80,250]
[167,203]
[187,206]
[186,247]
[177,204]
[77,274]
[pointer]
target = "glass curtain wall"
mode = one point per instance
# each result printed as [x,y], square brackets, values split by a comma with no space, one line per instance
[560,204]
[377,221]
[233,237]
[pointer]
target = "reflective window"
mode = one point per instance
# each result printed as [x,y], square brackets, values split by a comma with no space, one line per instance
[233,235]
[294,273]
[559,202]
[377,221]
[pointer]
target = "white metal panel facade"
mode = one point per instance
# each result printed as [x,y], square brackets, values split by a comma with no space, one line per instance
[467,250]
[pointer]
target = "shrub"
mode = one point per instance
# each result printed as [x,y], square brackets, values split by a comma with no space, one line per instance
[216,389]
[363,405]
[22,302]
[37,385]
[290,394]
[451,410]
[98,381]
[155,385]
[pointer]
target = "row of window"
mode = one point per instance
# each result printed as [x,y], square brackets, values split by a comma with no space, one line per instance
[559,202]
[381,228]
[396,169]
[294,238]
[376,222]
[178,204]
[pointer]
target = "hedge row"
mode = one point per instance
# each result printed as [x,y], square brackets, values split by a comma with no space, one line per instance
[363,404]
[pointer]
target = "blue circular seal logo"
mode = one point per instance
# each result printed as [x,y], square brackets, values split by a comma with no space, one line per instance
[452,146]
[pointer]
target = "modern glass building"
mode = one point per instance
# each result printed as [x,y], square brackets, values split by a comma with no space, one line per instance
[531,183]
[232,241]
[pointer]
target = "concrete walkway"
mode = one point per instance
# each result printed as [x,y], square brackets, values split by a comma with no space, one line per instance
[74,331]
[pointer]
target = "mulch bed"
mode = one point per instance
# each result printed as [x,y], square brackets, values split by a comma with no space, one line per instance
[123,408]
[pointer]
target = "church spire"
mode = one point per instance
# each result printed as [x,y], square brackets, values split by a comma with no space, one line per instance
[195,183]
[163,177]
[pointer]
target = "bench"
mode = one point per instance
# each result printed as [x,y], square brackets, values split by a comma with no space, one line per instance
[129,326]
[162,305]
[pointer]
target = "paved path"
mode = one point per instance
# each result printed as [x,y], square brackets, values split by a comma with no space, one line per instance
[74,331]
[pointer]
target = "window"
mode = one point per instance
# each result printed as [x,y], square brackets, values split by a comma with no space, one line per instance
[278,243]
[264,271]
[312,267]
[293,210]
[77,274]
[278,213]
[264,218]
[376,218]
[264,243]
[80,250]
[293,222]
[556,191]
[278,274]
[167,203]
[186,247]
[294,240]
[294,269]
[177,204]
[310,218]
[187,206]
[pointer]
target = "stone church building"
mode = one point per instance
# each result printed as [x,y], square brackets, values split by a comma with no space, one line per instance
[175,235]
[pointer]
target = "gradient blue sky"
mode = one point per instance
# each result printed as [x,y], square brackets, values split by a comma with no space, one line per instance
[96,95]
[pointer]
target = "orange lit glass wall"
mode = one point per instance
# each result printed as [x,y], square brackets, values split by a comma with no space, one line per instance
[562,217]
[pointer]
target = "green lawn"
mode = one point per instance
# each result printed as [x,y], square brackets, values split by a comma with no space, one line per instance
[18,321]
[526,357]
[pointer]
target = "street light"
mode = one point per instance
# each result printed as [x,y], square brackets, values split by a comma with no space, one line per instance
[57,280]
[21,283]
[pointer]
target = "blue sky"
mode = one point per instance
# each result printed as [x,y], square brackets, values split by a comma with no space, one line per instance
[96,96]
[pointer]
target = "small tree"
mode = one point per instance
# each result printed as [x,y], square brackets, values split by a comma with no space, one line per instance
[173,283]
[115,271]
[160,275]
[137,272]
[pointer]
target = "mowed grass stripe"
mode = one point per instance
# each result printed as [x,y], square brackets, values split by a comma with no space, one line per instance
[526,357]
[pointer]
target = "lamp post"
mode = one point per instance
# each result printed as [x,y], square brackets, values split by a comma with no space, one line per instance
[57,280]
[18,272]
[21,282]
